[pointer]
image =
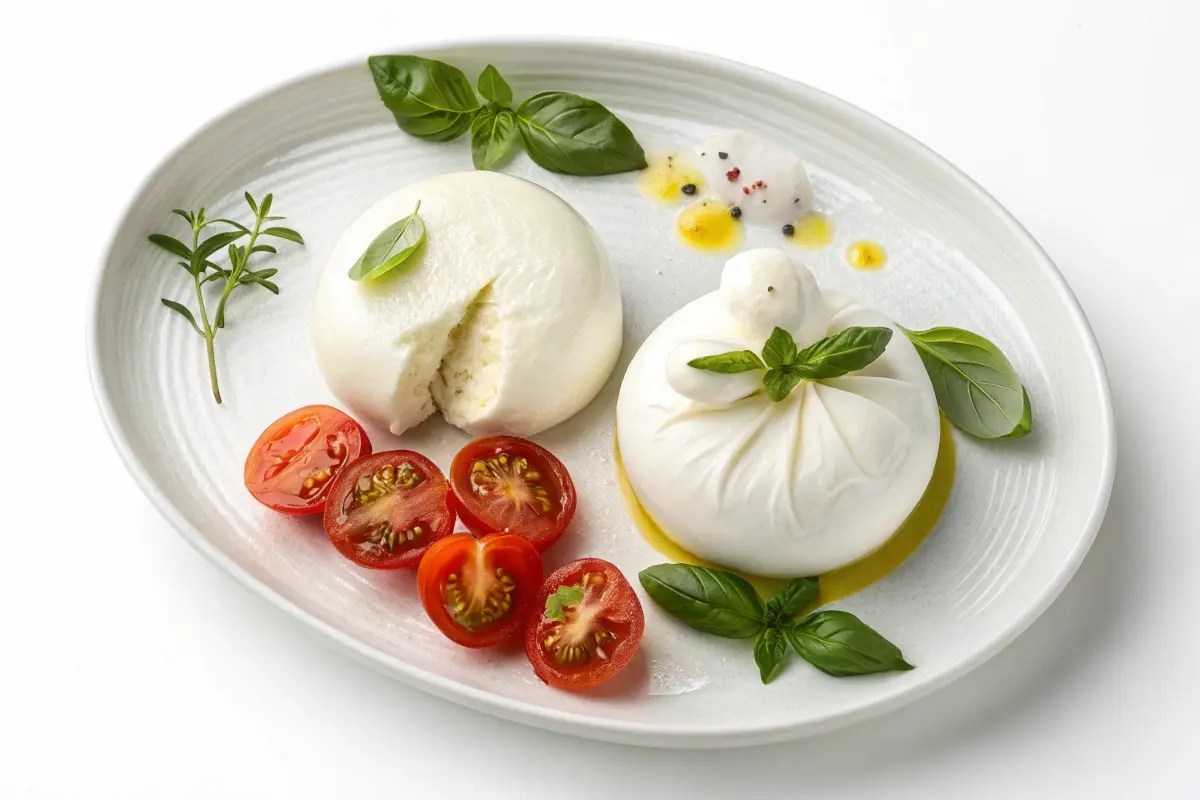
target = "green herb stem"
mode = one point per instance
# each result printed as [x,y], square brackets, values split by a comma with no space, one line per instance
[207,330]
[237,269]
[198,265]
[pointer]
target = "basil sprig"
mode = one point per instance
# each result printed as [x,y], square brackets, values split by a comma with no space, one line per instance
[562,132]
[391,248]
[724,604]
[786,366]
[976,385]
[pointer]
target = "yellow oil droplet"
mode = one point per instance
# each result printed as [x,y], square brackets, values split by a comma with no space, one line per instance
[813,231]
[838,583]
[708,225]
[665,176]
[866,255]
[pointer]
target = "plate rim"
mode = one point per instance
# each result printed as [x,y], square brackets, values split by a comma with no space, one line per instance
[608,729]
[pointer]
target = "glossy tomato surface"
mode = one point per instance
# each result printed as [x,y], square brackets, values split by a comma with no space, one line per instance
[295,460]
[503,484]
[385,510]
[593,630]
[480,592]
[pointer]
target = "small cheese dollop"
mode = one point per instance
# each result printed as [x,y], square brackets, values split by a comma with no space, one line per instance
[768,183]
[507,320]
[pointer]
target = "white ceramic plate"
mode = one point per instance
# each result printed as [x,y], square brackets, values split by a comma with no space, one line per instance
[1021,517]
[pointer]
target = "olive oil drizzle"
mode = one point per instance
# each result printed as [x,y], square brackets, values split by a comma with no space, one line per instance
[835,584]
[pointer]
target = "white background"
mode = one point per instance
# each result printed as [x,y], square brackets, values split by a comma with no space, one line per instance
[130,667]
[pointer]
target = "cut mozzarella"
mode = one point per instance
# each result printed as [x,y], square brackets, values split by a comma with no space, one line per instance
[508,319]
[786,489]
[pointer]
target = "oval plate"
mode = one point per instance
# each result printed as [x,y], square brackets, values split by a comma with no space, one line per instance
[1021,517]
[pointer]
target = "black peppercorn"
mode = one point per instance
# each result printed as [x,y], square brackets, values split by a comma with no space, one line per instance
[688,188]
[735,212]
[722,155]
[789,229]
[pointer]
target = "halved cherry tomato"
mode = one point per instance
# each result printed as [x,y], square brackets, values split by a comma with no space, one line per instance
[504,484]
[292,465]
[480,592]
[385,510]
[589,631]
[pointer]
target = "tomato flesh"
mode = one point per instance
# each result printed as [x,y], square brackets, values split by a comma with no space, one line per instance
[385,510]
[592,639]
[292,465]
[509,485]
[480,592]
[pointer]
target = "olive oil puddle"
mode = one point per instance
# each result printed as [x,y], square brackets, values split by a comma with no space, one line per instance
[813,231]
[706,224]
[838,583]
[665,176]
[866,255]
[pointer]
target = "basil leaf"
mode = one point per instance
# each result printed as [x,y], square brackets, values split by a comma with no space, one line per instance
[564,596]
[493,134]
[780,382]
[846,351]
[976,386]
[840,644]
[566,133]
[770,651]
[729,363]
[709,600]
[792,598]
[780,349]
[390,248]
[428,98]
[493,87]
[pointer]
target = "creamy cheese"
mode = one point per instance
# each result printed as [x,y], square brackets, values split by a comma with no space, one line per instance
[767,182]
[508,319]
[786,489]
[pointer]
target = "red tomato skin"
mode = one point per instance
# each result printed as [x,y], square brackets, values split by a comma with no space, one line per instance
[441,508]
[468,507]
[623,605]
[357,444]
[515,555]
